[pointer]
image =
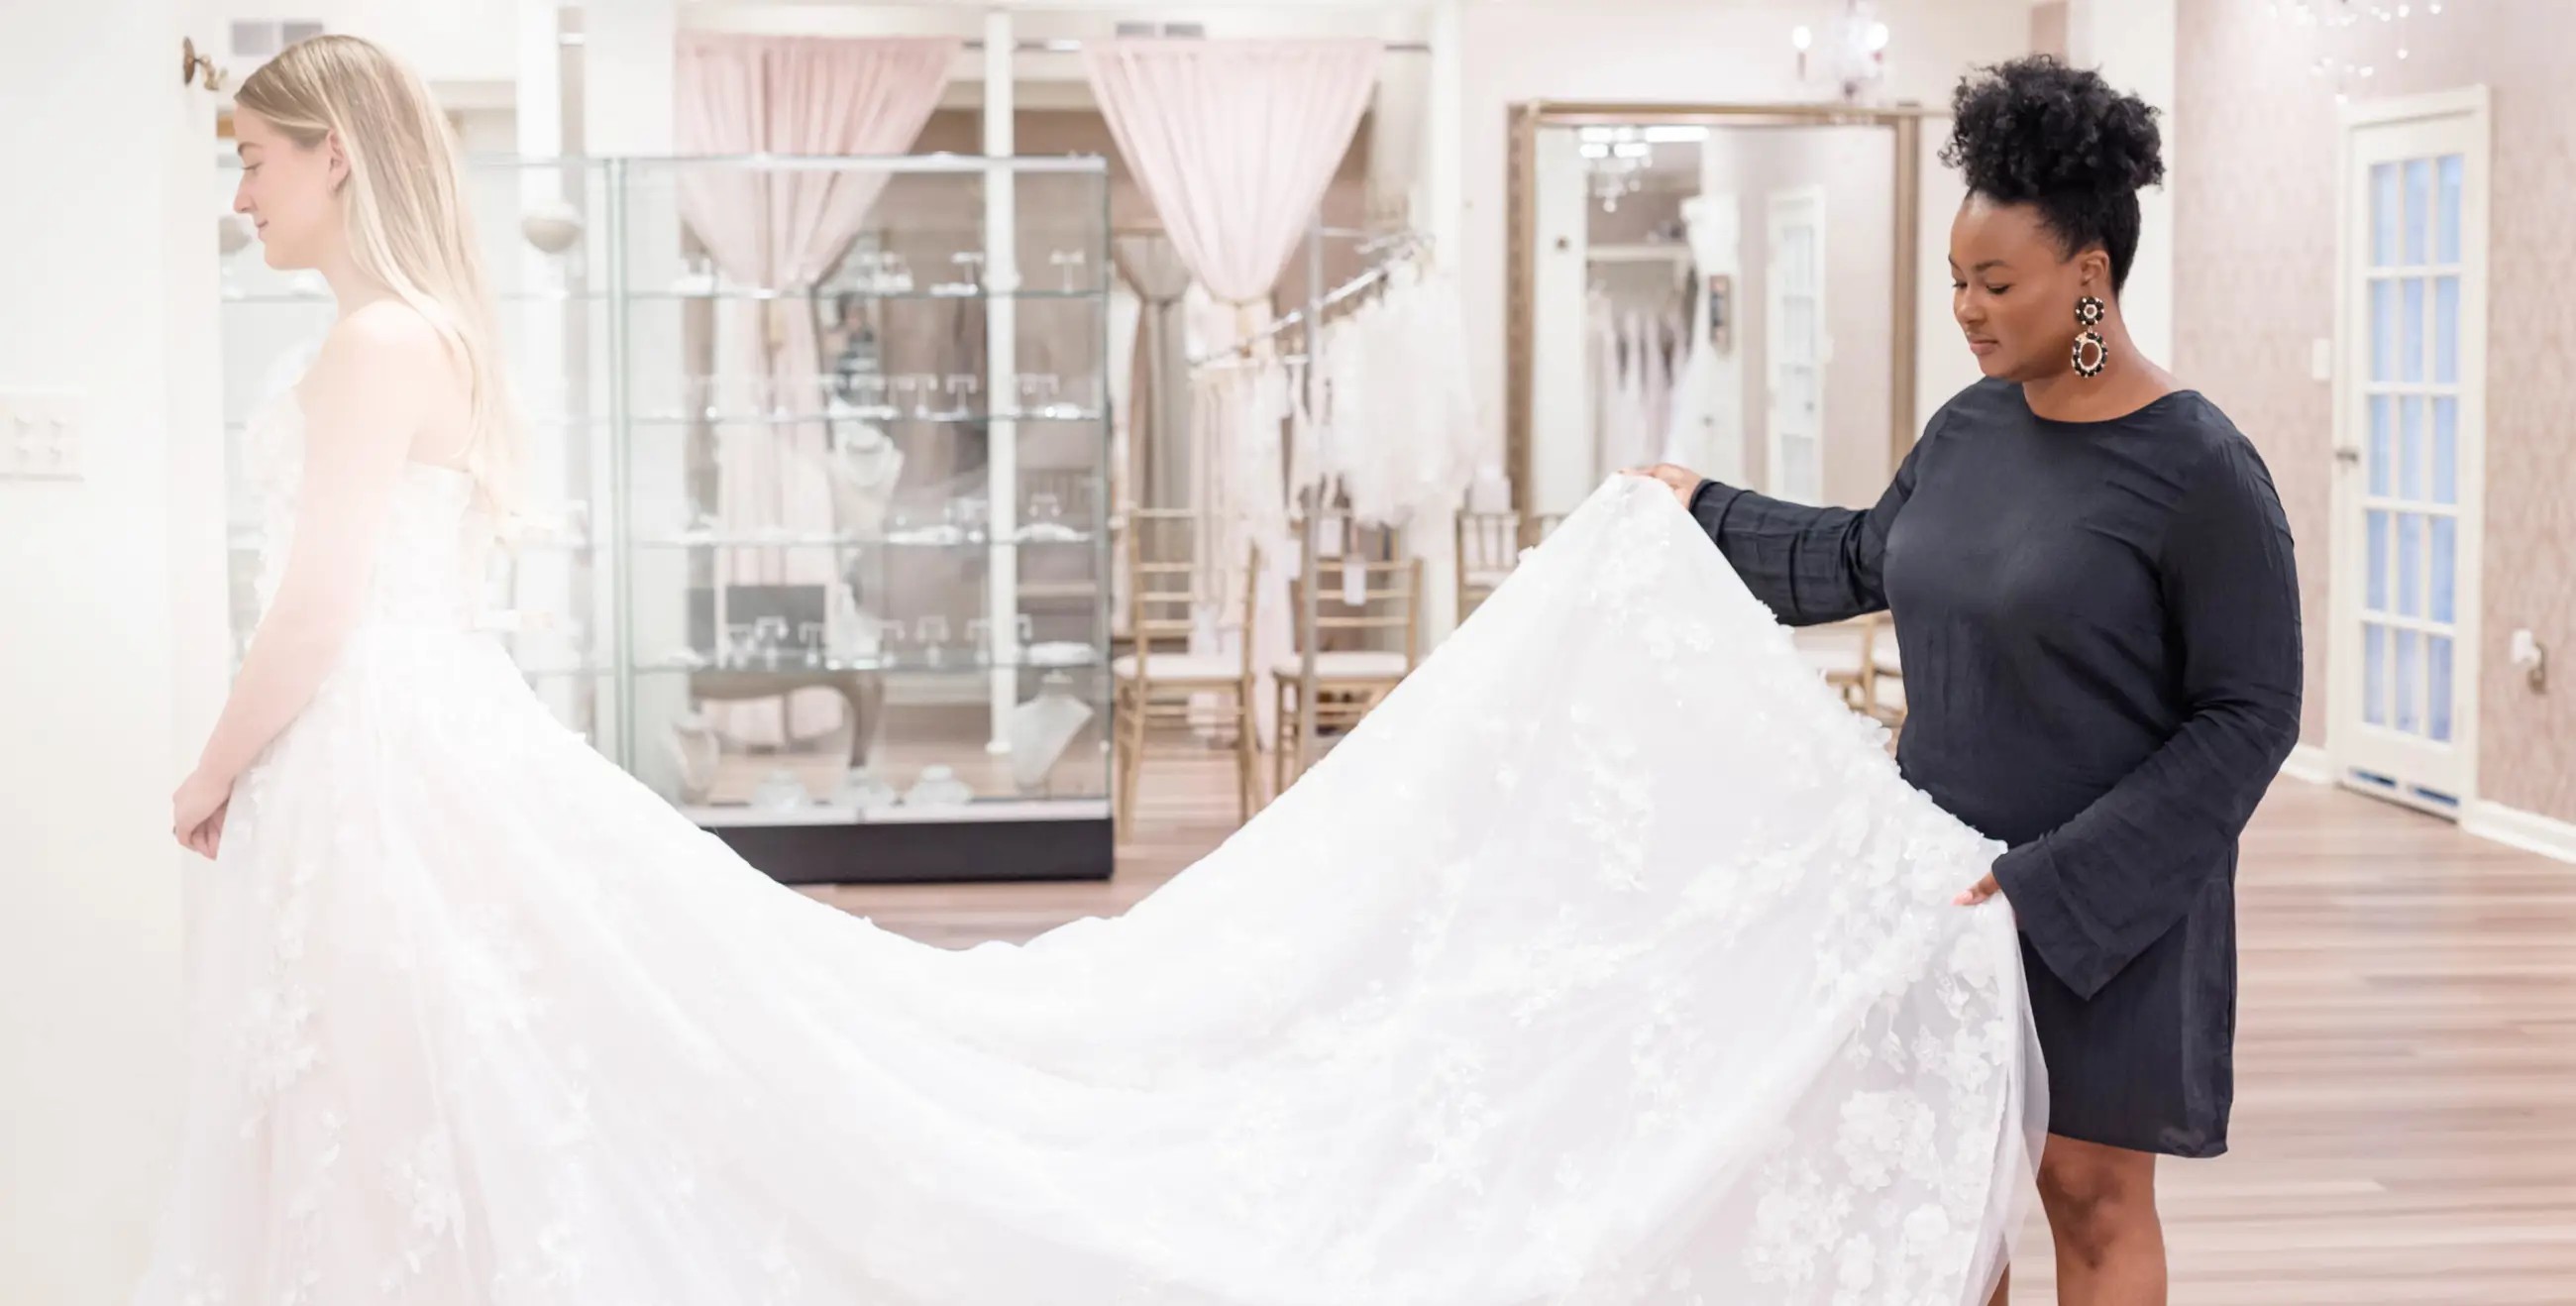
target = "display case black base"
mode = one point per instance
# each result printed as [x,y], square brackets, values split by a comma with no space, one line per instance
[929,852]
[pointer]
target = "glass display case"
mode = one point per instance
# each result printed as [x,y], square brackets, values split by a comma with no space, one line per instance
[815,535]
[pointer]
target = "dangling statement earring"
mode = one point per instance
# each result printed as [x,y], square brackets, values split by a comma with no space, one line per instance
[2088,314]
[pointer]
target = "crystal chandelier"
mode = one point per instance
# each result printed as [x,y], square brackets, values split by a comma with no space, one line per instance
[1850,51]
[1621,159]
[2356,36]
[1616,158]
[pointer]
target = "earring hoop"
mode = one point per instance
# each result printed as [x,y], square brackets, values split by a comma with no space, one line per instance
[2088,315]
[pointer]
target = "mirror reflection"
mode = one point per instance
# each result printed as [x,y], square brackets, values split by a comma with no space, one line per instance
[1718,296]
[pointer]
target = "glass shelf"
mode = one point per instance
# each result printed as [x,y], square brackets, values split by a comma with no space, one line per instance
[571,672]
[643,421]
[915,665]
[1051,413]
[975,543]
[751,296]
[649,421]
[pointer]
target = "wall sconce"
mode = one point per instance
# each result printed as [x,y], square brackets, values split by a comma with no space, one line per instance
[193,66]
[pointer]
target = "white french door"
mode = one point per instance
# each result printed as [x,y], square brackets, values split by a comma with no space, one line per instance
[1794,342]
[2410,426]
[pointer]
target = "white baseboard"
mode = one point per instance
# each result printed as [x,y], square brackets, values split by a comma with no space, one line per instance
[2310,763]
[2517,828]
[2492,821]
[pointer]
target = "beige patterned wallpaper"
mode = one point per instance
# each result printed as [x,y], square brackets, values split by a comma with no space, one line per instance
[2254,138]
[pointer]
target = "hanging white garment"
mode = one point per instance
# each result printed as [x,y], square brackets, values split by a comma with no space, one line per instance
[1238,421]
[1688,437]
[1609,960]
[1405,427]
[1659,336]
[1351,453]
[1399,435]
[1455,437]
[1126,315]
[1631,425]
[1707,432]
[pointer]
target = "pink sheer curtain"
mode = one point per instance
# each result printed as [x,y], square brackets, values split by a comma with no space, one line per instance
[783,230]
[1235,143]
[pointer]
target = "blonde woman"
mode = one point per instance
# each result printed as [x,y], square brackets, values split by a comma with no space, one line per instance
[1610,961]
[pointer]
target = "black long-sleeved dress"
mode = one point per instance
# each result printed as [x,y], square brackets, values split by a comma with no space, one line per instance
[2099,627]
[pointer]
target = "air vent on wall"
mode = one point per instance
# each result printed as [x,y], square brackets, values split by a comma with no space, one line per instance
[263,38]
[1194,30]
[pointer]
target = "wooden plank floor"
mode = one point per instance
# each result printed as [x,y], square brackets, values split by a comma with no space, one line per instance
[2405,1125]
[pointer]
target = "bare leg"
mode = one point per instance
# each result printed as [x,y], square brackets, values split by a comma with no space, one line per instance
[2101,1204]
[2003,1290]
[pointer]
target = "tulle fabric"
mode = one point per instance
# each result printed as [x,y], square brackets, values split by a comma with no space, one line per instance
[1609,962]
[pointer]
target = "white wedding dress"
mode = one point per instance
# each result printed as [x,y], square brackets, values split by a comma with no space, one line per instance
[1609,962]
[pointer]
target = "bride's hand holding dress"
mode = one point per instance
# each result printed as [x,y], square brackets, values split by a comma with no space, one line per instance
[197,813]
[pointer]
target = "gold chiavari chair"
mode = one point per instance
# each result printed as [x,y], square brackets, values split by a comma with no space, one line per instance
[1351,673]
[1858,659]
[1489,546]
[1159,679]
[1883,685]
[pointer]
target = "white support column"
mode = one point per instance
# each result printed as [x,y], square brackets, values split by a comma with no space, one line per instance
[628,52]
[543,367]
[2132,43]
[1443,154]
[1561,467]
[1442,197]
[1001,353]
[538,120]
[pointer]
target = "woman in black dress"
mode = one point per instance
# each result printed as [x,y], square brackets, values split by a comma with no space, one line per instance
[2095,603]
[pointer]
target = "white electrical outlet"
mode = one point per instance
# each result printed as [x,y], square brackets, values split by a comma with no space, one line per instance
[2321,359]
[40,435]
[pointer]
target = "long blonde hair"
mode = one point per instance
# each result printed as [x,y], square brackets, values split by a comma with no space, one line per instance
[404,202]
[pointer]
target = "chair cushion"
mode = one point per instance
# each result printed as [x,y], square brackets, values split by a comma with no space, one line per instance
[1183,668]
[1345,664]
[1834,651]
[1832,661]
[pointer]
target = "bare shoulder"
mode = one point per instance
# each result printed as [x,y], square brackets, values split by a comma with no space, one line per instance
[386,333]
[384,358]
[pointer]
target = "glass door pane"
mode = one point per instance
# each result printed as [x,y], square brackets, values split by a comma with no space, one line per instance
[2410,413]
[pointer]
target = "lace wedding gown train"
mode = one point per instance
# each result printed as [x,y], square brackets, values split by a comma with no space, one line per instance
[1609,962]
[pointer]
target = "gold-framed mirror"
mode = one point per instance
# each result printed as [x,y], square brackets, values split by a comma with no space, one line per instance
[1731,287]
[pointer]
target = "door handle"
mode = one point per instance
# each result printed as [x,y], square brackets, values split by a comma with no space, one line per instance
[2348,456]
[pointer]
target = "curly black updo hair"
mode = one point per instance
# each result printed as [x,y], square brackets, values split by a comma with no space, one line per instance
[2034,131]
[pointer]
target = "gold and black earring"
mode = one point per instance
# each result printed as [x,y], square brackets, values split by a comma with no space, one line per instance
[2092,353]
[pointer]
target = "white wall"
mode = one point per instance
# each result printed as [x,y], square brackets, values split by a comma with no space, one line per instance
[1565,467]
[2132,43]
[1669,51]
[448,41]
[108,238]
[1852,167]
